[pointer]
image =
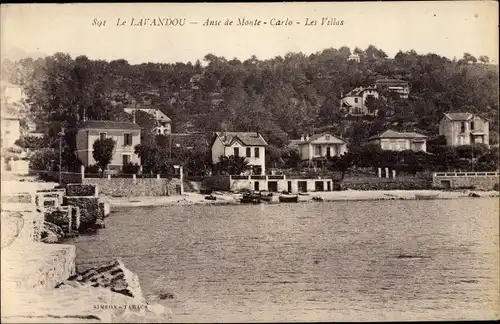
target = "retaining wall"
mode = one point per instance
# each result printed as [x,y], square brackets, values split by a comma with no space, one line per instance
[129,187]
[473,180]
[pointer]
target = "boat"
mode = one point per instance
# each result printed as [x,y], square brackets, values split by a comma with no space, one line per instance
[266,196]
[426,196]
[251,197]
[288,198]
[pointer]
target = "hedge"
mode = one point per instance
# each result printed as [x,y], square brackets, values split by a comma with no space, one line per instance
[81,190]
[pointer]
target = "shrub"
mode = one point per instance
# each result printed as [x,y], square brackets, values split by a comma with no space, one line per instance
[130,168]
[94,168]
[43,160]
[81,190]
[59,217]
[216,183]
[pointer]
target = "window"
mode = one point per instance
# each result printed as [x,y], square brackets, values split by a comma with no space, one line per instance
[355,100]
[102,136]
[317,150]
[127,139]
[327,137]
[472,125]
[328,153]
[125,159]
[462,127]
[236,151]
[249,152]
[257,152]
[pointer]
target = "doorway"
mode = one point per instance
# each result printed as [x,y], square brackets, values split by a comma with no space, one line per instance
[328,186]
[302,186]
[272,186]
[256,186]
[289,186]
[446,184]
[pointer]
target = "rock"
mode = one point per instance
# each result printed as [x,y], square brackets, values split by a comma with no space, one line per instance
[473,194]
[112,275]
[51,233]
[49,237]
[100,223]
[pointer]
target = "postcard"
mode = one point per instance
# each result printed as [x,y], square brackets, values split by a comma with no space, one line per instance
[241,162]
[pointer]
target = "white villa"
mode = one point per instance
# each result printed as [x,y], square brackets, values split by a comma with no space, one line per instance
[400,141]
[247,144]
[321,146]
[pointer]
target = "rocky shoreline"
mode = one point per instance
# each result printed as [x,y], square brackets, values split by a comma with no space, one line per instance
[40,283]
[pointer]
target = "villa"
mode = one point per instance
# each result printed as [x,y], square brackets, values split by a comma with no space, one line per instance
[125,134]
[464,129]
[400,141]
[250,145]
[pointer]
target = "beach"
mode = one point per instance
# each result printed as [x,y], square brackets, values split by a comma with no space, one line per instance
[225,198]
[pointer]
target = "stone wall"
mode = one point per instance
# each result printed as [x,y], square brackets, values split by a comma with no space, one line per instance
[388,184]
[128,187]
[469,180]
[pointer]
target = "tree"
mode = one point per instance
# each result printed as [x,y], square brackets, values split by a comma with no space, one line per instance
[469,58]
[33,142]
[103,150]
[484,59]
[342,163]
[233,165]
[44,160]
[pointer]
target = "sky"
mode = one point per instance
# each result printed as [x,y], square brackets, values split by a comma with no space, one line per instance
[447,28]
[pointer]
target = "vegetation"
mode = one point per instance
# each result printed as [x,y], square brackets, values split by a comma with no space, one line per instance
[281,98]
[103,152]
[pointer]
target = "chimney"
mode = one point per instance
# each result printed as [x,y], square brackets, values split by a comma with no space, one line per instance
[133,116]
[84,115]
[302,138]
[307,137]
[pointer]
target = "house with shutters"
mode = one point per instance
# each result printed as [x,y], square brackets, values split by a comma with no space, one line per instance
[250,145]
[464,129]
[354,102]
[125,134]
[400,141]
[321,146]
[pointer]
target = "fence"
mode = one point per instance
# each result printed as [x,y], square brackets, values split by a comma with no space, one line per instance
[130,176]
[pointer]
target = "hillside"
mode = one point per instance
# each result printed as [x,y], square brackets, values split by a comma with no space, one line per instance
[282,97]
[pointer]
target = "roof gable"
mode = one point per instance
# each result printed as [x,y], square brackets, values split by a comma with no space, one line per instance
[458,116]
[326,138]
[108,124]
[321,138]
[393,134]
[245,138]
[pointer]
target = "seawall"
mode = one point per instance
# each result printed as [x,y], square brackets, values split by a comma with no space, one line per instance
[129,187]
